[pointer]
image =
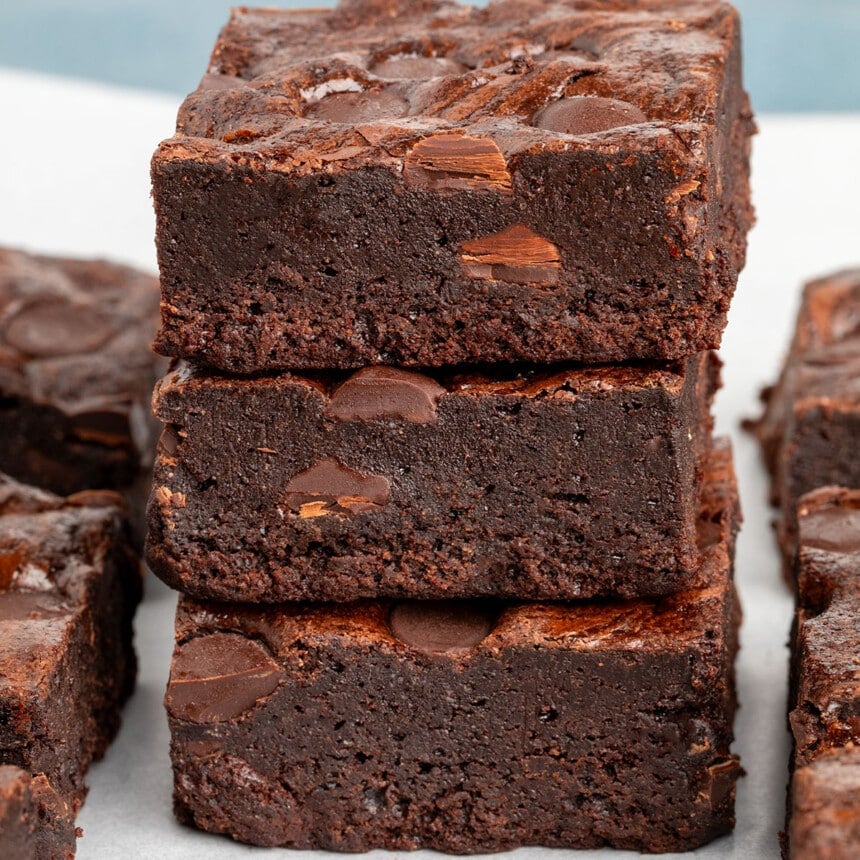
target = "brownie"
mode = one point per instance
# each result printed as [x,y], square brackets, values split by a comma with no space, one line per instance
[825,714]
[464,725]
[76,373]
[427,184]
[69,585]
[35,822]
[543,483]
[825,821]
[810,429]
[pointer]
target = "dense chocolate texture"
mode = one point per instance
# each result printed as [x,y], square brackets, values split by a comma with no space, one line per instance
[464,726]
[546,484]
[35,822]
[427,184]
[810,430]
[69,585]
[825,715]
[825,819]
[76,373]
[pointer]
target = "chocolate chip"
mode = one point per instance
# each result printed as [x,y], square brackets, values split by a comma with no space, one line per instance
[440,626]
[457,162]
[406,67]
[219,676]
[168,443]
[834,529]
[329,487]
[376,393]
[587,115]
[56,327]
[356,108]
[516,255]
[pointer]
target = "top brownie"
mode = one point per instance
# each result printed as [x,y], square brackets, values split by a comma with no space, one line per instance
[427,184]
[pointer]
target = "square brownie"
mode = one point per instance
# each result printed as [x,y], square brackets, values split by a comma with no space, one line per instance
[464,726]
[69,586]
[810,429]
[35,822]
[428,184]
[76,374]
[825,700]
[825,815]
[539,483]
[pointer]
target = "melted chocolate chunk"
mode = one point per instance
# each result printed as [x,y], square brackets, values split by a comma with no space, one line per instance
[416,68]
[329,487]
[359,107]
[587,115]
[442,626]
[377,393]
[217,677]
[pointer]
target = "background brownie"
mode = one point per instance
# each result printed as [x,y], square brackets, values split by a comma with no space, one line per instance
[810,430]
[464,726]
[825,818]
[69,585]
[426,184]
[76,373]
[825,713]
[544,484]
[35,822]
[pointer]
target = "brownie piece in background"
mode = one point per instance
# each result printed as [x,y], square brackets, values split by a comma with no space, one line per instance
[825,701]
[69,586]
[465,726]
[76,374]
[429,184]
[810,429]
[545,483]
[35,822]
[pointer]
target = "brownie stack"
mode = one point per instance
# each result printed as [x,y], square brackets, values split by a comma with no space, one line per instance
[441,285]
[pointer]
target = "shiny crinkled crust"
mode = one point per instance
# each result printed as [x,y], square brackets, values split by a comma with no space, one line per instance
[446,185]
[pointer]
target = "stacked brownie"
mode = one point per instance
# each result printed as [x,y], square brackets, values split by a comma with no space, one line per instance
[437,479]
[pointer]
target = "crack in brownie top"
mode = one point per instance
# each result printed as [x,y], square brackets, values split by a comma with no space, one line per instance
[365,81]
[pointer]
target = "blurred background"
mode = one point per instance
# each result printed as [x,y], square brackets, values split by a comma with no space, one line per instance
[802,55]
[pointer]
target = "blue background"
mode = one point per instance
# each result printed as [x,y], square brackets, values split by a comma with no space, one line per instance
[801,55]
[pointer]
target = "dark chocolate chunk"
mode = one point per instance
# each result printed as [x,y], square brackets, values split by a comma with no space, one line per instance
[330,487]
[218,676]
[442,625]
[587,115]
[385,393]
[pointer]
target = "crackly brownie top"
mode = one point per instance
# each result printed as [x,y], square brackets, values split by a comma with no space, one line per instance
[51,549]
[304,90]
[227,659]
[76,334]
[828,579]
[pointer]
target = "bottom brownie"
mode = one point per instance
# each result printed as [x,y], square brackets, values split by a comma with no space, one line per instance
[69,586]
[825,715]
[35,822]
[465,726]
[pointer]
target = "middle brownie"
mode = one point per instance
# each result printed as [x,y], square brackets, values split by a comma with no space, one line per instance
[552,484]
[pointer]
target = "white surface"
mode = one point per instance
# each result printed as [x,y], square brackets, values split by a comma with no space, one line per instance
[75,179]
